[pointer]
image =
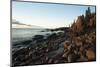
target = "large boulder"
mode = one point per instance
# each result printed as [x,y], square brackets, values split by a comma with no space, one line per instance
[36,37]
[90,54]
[52,36]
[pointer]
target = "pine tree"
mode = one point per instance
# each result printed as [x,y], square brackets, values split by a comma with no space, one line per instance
[89,11]
[87,16]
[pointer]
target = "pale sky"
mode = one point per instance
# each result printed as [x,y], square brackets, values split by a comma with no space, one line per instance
[47,15]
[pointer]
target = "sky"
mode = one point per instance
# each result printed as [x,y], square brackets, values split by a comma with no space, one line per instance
[47,15]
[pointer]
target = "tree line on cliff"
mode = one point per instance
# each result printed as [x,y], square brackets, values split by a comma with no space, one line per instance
[84,23]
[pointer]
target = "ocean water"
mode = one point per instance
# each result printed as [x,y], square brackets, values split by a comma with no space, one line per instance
[19,34]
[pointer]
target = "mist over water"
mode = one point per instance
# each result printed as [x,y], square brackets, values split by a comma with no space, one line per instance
[23,34]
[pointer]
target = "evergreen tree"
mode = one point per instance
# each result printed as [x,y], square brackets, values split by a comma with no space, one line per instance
[87,16]
[89,11]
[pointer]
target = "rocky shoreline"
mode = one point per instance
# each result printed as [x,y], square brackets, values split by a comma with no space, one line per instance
[56,48]
[41,50]
[75,44]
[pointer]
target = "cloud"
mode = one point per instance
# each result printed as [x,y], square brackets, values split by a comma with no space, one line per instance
[17,22]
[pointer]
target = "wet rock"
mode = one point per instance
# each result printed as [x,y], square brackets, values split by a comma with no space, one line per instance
[22,51]
[47,58]
[65,55]
[72,57]
[30,53]
[26,42]
[66,44]
[36,37]
[20,58]
[47,50]
[36,48]
[50,61]
[52,36]
[56,61]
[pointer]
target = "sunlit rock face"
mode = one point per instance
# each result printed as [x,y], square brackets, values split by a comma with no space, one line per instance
[77,26]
